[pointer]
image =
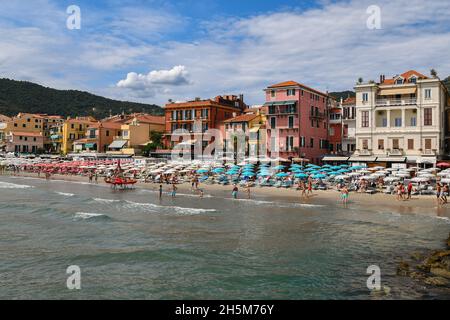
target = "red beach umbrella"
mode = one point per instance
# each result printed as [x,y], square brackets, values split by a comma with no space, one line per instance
[443,164]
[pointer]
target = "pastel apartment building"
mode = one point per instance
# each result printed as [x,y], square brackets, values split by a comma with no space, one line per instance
[135,133]
[74,129]
[250,127]
[206,114]
[297,121]
[401,120]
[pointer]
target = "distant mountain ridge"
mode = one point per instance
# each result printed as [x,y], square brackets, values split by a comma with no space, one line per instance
[342,94]
[24,96]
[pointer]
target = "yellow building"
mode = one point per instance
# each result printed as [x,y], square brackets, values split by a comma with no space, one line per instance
[74,129]
[135,134]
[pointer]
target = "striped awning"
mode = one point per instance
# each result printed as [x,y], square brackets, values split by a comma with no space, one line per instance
[281,103]
[395,91]
[118,144]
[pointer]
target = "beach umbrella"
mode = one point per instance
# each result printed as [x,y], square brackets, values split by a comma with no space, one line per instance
[248,174]
[319,176]
[202,171]
[341,177]
[445,180]
[264,174]
[301,175]
[421,179]
[219,170]
[368,178]
[391,179]
[282,175]
[443,165]
[279,167]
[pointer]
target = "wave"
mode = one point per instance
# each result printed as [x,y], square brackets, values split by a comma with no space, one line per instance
[281,205]
[65,194]
[178,210]
[90,215]
[8,185]
[106,200]
[443,218]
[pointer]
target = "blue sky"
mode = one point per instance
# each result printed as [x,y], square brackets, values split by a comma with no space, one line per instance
[152,51]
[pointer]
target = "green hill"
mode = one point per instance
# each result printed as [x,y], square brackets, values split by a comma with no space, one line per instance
[22,96]
[343,94]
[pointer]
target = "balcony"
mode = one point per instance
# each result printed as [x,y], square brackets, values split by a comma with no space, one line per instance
[365,152]
[317,115]
[395,102]
[395,152]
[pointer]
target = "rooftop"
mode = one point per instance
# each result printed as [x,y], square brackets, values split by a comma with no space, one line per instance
[291,83]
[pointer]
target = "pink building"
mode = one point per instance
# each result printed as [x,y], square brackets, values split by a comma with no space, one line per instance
[25,142]
[298,116]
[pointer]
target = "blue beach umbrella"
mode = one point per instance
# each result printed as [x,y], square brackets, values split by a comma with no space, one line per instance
[319,176]
[280,167]
[202,171]
[282,175]
[219,170]
[301,175]
[264,174]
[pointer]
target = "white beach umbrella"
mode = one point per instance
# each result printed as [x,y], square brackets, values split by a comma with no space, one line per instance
[420,179]
[367,178]
[391,179]
[446,180]
[342,177]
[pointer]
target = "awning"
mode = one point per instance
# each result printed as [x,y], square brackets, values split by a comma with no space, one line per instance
[330,158]
[255,129]
[118,144]
[89,145]
[395,91]
[281,103]
[430,160]
[391,159]
[362,159]
[187,143]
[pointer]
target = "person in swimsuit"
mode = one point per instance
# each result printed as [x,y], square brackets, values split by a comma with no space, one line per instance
[235,192]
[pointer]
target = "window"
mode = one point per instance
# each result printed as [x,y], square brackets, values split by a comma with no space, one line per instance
[302,142]
[311,143]
[272,93]
[381,144]
[24,125]
[291,121]
[365,144]
[384,122]
[413,122]
[427,144]
[427,117]
[395,144]
[272,123]
[399,81]
[365,97]
[410,144]
[291,92]
[15,124]
[398,122]
[413,80]
[332,131]
[427,93]
[289,143]
[365,119]
[107,133]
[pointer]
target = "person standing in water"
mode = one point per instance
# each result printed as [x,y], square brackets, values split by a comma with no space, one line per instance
[309,187]
[248,190]
[344,195]
[235,192]
[174,190]
[160,191]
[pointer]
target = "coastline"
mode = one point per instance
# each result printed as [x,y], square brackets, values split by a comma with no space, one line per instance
[422,205]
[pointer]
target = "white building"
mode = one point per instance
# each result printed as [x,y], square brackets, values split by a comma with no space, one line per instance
[401,120]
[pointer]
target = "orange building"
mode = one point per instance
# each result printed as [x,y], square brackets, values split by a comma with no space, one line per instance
[210,112]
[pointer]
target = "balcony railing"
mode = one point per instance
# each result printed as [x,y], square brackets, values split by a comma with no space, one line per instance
[395,102]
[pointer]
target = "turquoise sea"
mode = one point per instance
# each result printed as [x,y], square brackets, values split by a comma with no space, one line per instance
[131,245]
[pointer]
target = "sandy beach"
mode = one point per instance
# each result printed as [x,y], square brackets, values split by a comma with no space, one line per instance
[415,205]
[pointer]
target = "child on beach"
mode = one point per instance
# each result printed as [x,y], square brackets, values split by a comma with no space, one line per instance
[235,192]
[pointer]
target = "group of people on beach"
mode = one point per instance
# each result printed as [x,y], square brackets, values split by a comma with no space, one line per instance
[441,193]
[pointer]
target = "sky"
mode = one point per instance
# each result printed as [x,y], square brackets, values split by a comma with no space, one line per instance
[154,50]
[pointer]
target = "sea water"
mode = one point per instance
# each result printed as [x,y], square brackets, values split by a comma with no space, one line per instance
[131,245]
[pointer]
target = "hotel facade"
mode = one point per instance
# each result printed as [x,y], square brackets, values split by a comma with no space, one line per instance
[297,121]
[401,120]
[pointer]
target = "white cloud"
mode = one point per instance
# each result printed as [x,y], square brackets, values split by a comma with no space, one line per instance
[176,76]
